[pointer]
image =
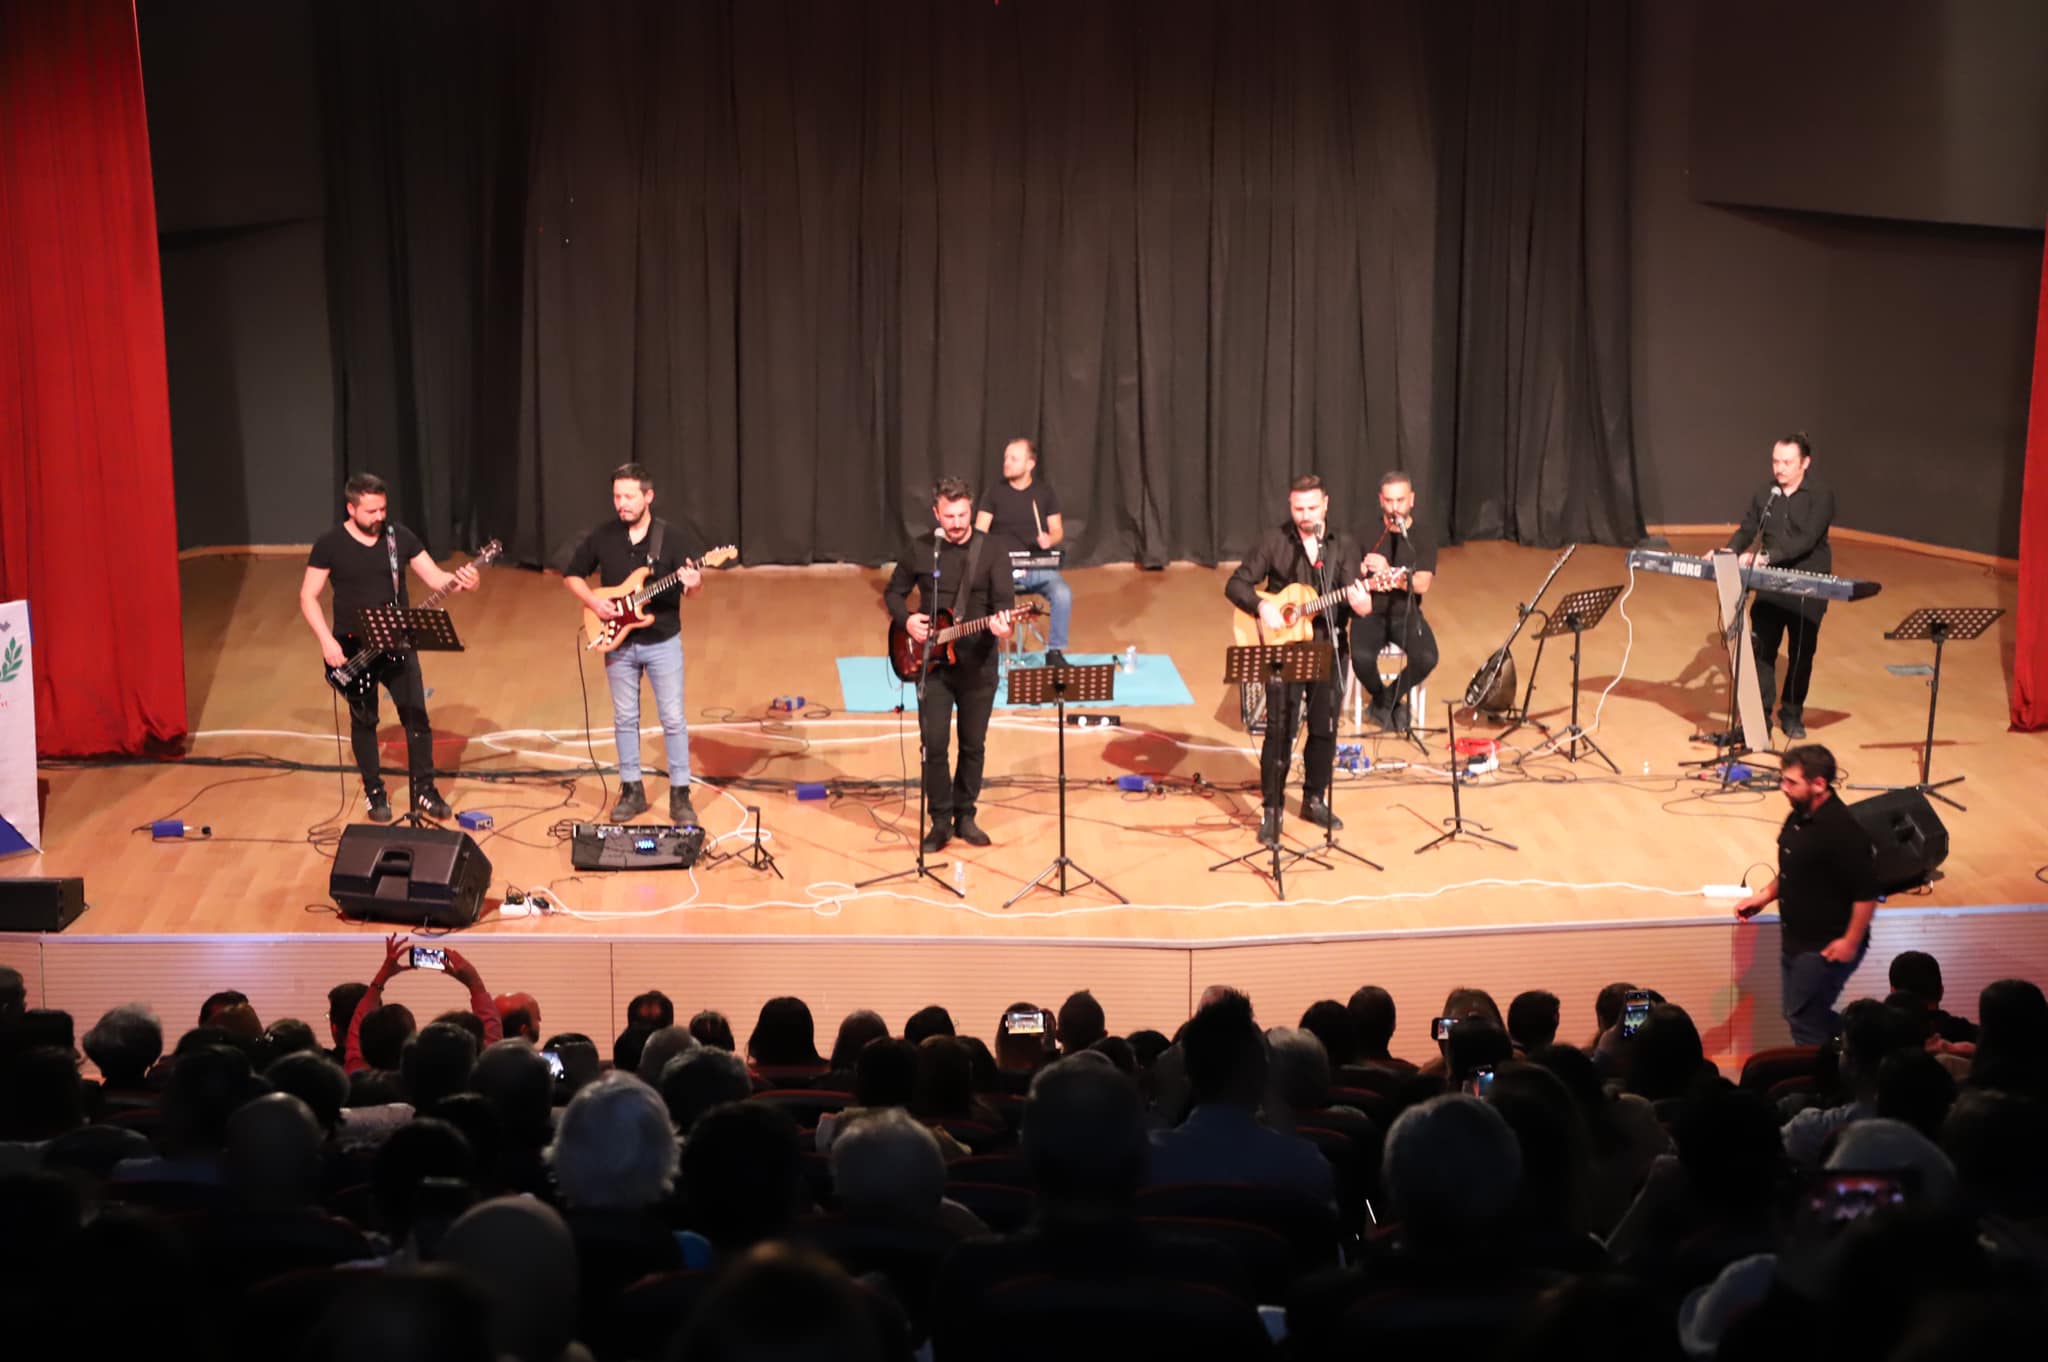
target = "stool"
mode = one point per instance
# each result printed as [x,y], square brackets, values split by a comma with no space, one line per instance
[1025,635]
[1418,702]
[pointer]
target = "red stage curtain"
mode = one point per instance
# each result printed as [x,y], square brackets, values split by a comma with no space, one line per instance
[2030,665]
[88,528]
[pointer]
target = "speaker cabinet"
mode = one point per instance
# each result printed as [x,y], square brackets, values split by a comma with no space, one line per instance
[418,876]
[40,905]
[1911,839]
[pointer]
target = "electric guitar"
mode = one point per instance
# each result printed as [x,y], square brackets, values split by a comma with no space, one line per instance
[357,676]
[1299,606]
[906,655]
[601,635]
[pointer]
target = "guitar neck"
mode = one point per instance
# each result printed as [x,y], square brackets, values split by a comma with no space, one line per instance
[657,586]
[954,631]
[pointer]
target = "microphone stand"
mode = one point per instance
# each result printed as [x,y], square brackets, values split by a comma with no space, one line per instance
[924,672]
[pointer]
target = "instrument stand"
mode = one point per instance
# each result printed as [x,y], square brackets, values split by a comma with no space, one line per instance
[758,856]
[1454,826]
[1503,659]
[397,629]
[1940,625]
[1575,614]
[1275,666]
[1034,686]
[922,870]
[1522,718]
[1735,595]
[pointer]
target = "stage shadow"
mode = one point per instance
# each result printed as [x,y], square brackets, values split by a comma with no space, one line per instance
[211,589]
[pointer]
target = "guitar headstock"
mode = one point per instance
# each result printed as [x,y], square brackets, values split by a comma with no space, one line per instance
[487,555]
[719,556]
[1028,610]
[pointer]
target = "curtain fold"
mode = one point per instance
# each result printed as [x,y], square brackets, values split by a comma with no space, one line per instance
[2030,660]
[88,531]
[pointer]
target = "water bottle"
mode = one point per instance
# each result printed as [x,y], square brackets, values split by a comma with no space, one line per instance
[960,876]
[1130,667]
[1646,768]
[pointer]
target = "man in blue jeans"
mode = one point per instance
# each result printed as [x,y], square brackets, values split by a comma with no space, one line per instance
[1023,513]
[632,539]
[1826,892]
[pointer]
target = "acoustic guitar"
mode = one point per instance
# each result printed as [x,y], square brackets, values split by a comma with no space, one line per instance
[1299,606]
[907,657]
[601,635]
[358,676]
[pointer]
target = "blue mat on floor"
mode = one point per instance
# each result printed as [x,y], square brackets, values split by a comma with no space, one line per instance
[868,686]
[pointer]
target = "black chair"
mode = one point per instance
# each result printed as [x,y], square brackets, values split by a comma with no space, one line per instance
[277,1315]
[1004,1209]
[907,1257]
[1028,1319]
[641,1321]
[805,1105]
[1307,1225]
[1268,1260]
[1008,1169]
[1766,1068]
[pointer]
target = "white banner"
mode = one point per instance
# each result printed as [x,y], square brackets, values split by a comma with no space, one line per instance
[21,827]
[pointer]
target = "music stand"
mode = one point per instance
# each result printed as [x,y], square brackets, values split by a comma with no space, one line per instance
[396,629]
[1276,664]
[1940,624]
[1056,686]
[1575,614]
[1455,824]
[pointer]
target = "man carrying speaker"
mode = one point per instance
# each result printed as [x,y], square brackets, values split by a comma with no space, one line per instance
[1786,526]
[1826,892]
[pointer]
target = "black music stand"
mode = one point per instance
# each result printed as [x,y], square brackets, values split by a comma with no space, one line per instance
[1941,624]
[1056,686]
[1575,614]
[1270,665]
[1454,826]
[397,629]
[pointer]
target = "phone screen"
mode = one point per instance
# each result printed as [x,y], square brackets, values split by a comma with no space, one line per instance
[429,957]
[1481,1082]
[555,1065]
[1029,1022]
[1440,1029]
[1633,1014]
[1837,1197]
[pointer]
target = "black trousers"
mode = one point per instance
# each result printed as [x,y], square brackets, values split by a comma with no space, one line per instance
[953,792]
[401,676]
[1403,626]
[1772,624]
[1283,699]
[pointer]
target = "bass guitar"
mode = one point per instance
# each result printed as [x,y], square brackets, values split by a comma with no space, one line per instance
[602,635]
[357,676]
[1299,606]
[907,656]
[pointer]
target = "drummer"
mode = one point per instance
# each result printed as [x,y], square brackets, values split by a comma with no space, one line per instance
[1025,512]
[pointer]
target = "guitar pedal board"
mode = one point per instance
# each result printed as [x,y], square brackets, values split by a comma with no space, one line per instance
[635,846]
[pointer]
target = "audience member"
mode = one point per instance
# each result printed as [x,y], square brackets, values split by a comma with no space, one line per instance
[856,1030]
[2012,1039]
[1870,1031]
[927,1022]
[695,1082]
[743,1177]
[887,1167]
[519,1016]
[652,1010]
[1372,1018]
[1918,974]
[615,1148]
[122,1045]
[783,1302]
[713,1029]
[1533,1019]
[1081,1022]
[435,1064]
[389,1035]
[1329,1021]
[670,1042]
[520,1252]
[342,1001]
[784,1040]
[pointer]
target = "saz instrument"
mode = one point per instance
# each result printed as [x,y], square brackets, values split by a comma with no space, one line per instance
[1299,606]
[1492,688]
[907,657]
[602,635]
[357,676]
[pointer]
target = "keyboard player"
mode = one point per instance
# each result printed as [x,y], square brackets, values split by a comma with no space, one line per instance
[1786,526]
[1025,511]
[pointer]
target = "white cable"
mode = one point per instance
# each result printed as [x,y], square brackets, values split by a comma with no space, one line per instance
[1622,670]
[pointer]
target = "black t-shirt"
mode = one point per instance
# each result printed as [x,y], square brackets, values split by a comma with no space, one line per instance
[1414,550]
[1826,865]
[1794,530]
[992,589]
[1279,559]
[1010,516]
[361,575]
[610,552]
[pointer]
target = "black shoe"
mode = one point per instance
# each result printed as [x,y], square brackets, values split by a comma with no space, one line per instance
[1790,723]
[681,811]
[1380,712]
[379,810]
[1317,811]
[1269,828]
[1055,658]
[969,831]
[935,841]
[1400,720]
[632,801]
[427,800]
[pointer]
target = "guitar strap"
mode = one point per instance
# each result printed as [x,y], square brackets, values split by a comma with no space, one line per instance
[654,539]
[967,577]
[391,552]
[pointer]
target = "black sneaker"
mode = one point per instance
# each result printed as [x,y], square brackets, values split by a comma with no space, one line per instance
[1400,720]
[379,810]
[1317,811]
[1269,828]
[969,831]
[427,800]
[681,811]
[1380,712]
[935,840]
[1055,658]
[1790,723]
[632,801]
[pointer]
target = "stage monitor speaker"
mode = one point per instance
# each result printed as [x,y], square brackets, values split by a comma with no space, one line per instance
[1911,840]
[40,905]
[418,876]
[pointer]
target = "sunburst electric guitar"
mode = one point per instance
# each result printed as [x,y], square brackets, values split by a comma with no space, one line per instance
[1299,606]
[601,635]
[358,675]
[906,654]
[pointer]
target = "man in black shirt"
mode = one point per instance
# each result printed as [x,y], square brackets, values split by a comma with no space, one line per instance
[1024,513]
[1826,892]
[633,539]
[1403,557]
[956,569]
[362,558]
[1303,551]
[1788,523]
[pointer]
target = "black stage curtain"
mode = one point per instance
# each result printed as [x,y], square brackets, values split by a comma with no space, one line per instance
[801,257]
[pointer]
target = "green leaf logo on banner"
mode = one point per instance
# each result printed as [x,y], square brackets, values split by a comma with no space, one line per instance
[10,665]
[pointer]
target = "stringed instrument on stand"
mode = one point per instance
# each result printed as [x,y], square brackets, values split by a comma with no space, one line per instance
[1492,689]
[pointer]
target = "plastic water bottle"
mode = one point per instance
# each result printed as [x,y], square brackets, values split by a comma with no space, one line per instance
[1646,768]
[1130,667]
[960,876]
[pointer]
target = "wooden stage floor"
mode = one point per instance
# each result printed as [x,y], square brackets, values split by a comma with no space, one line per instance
[1628,851]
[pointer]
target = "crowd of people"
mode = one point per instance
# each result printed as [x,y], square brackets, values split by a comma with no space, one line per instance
[476,1187]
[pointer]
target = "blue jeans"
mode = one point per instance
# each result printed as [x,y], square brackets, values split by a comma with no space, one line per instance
[663,664]
[1058,595]
[1809,984]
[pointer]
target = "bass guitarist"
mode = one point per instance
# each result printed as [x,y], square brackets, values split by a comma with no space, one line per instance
[362,557]
[968,573]
[1302,552]
[633,538]
[1403,557]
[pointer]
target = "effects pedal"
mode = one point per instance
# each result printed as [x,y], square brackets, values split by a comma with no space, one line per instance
[634,846]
